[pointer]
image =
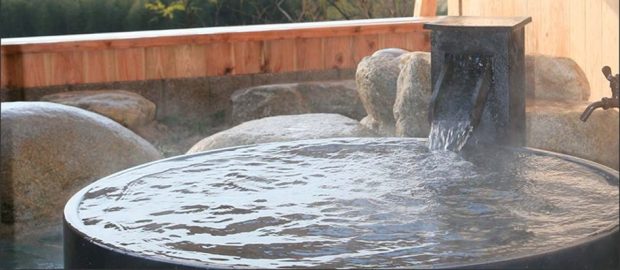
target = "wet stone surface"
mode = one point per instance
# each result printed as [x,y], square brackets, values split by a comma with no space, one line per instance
[380,202]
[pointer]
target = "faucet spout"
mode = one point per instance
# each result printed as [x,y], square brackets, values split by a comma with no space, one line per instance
[586,114]
[604,103]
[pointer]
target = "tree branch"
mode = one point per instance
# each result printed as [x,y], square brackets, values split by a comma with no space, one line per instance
[278,3]
[333,3]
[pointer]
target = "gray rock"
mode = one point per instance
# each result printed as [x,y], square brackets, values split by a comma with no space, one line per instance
[555,126]
[129,109]
[284,128]
[50,151]
[384,130]
[413,95]
[376,77]
[297,98]
[555,78]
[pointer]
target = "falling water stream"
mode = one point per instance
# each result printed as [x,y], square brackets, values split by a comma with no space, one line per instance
[457,103]
[449,135]
[363,202]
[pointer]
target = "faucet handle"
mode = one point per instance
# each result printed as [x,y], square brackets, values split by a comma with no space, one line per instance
[614,83]
[606,71]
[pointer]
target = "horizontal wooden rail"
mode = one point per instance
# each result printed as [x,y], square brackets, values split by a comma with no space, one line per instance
[216,51]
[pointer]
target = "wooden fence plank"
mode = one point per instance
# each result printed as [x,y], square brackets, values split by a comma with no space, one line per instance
[308,53]
[4,70]
[418,41]
[556,28]
[496,8]
[594,36]
[60,68]
[339,54]
[219,59]
[393,40]
[532,29]
[609,45]
[248,57]
[190,61]
[99,66]
[130,64]
[34,64]
[160,63]
[577,33]
[454,8]
[65,68]
[364,46]
[280,55]
[519,8]
[12,71]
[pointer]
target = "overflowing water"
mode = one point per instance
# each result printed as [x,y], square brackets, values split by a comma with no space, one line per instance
[376,202]
[449,135]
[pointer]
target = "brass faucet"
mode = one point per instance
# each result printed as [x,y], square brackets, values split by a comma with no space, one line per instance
[605,103]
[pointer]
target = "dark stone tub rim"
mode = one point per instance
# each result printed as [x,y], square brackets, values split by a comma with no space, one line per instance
[72,222]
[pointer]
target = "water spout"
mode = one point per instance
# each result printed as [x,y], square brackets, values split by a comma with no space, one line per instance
[478,76]
[458,100]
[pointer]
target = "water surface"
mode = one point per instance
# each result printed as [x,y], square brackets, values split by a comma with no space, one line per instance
[379,202]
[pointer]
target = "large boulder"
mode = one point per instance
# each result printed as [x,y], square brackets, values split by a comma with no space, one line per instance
[376,77]
[297,98]
[284,128]
[413,95]
[129,109]
[555,78]
[555,126]
[49,151]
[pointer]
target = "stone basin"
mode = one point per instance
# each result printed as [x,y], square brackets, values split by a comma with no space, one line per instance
[349,202]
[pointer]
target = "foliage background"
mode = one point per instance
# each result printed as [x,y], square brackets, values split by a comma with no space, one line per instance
[20,18]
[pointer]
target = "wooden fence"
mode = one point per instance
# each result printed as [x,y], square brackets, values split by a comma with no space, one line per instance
[165,54]
[584,30]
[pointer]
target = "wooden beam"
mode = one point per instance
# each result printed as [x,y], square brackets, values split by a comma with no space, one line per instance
[203,36]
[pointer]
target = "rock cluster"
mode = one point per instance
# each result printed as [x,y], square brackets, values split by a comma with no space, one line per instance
[555,78]
[413,95]
[129,109]
[49,151]
[297,98]
[376,77]
[284,128]
[555,126]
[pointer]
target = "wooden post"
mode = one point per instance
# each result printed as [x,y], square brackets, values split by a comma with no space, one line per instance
[455,7]
[424,8]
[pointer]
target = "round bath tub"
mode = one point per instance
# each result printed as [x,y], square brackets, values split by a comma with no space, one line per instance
[355,202]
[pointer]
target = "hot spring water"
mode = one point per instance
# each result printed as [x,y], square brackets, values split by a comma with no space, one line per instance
[364,202]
